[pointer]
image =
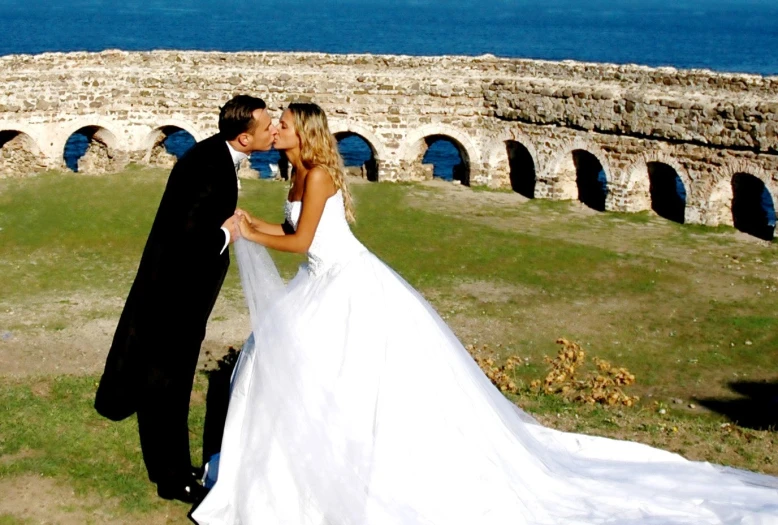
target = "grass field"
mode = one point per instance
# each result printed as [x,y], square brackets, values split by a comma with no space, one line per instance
[689,310]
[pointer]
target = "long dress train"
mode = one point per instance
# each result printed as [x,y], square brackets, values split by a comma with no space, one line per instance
[357,405]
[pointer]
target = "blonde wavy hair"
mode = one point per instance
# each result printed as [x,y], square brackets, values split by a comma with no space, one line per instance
[318,147]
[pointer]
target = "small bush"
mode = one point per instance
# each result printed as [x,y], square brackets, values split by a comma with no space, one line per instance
[568,379]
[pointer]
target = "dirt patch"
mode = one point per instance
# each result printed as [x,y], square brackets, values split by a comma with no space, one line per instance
[41,389]
[491,292]
[71,335]
[463,311]
[42,500]
[25,453]
[456,199]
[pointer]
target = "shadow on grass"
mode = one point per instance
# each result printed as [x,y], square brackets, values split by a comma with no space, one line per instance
[217,400]
[757,409]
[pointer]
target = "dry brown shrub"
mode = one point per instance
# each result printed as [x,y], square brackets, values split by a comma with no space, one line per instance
[500,374]
[568,379]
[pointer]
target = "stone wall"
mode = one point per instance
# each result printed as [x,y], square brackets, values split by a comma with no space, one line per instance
[18,156]
[705,126]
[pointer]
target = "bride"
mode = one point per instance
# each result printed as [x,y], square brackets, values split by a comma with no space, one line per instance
[354,404]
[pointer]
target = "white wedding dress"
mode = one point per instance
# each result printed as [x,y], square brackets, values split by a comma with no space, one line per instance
[357,405]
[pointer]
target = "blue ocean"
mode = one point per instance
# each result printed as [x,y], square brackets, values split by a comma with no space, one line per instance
[722,35]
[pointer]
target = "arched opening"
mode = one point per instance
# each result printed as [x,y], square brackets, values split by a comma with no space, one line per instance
[448,158]
[169,144]
[522,168]
[753,210]
[590,179]
[90,150]
[668,194]
[18,153]
[270,164]
[75,148]
[358,154]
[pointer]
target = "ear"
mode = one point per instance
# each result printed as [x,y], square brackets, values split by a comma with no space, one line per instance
[243,140]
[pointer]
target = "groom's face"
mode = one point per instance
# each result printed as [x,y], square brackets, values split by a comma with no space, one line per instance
[261,137]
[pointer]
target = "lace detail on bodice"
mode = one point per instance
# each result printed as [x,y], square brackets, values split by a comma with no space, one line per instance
[333,241]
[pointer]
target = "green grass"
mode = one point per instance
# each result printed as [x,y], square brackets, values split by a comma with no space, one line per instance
[49,428]
[62,232]
[685,308]
[8,519]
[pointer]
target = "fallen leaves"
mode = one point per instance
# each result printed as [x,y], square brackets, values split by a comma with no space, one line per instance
[500,375]
[568,379]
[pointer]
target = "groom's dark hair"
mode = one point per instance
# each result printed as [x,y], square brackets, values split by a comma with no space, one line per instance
[236,116]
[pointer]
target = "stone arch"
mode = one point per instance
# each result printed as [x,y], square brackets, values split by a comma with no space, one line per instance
[747,166]
[719,199]
[641,186]
[102,153]
[152,137]
[19,153]
[564,174]
[372,168]
[512,161]
[719,209]
[378,146]
[414,147]
[752,206]
[97,131]
[153,145]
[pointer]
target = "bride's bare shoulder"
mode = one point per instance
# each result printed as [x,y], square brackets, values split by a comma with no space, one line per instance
[319,180]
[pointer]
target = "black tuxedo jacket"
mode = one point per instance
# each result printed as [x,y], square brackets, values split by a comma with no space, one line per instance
[179,277]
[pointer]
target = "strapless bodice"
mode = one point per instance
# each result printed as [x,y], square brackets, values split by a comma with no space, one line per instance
[333,243]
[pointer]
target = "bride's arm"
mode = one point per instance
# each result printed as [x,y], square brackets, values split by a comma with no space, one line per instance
[260,225]
[318,188]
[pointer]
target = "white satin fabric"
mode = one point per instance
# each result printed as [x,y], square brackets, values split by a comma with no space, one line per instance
[357,405]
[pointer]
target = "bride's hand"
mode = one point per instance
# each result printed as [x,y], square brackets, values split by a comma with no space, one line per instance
[244,225]
[243,213]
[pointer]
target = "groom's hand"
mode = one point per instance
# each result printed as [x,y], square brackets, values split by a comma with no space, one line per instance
[231,225]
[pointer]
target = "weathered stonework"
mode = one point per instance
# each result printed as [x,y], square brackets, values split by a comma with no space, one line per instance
[246,171]
[19,155]
[546,122]
[160,158]
[100,158]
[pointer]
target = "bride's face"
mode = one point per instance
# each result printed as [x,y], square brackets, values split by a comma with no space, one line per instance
[287,136]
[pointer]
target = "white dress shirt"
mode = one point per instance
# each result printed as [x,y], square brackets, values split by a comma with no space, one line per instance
[237,158]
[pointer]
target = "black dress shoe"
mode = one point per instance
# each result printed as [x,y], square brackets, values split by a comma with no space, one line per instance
[196,473]
[189,492]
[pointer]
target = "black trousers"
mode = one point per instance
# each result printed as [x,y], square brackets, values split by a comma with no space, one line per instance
[171,357]
[163,411]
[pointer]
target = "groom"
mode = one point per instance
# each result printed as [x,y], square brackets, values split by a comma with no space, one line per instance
[151,364]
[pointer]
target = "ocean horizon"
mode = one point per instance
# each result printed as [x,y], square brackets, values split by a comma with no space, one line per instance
[720,35]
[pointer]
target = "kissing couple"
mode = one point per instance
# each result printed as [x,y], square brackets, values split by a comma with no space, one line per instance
[353,403]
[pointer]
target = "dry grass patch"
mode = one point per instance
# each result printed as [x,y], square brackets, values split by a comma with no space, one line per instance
[40,500]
